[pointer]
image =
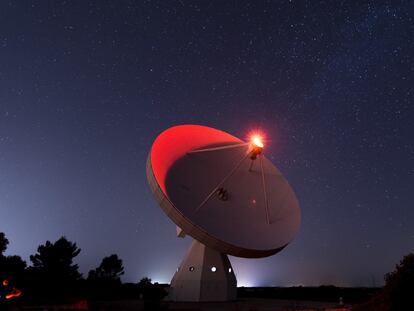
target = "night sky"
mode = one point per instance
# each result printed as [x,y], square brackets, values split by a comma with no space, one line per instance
[85,87]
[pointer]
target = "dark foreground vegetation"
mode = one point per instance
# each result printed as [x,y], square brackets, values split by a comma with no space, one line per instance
[54,279]
[340,295]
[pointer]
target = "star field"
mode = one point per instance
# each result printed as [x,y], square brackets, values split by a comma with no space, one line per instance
[86,86]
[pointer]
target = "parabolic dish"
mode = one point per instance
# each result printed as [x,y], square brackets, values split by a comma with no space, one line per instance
[209,183]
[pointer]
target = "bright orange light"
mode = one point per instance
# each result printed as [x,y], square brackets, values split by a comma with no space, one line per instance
[15,293]
[257,141]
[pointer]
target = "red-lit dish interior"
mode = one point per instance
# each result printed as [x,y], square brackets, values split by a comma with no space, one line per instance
[176,141]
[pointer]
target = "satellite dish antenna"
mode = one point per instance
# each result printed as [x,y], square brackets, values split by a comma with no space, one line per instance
[225,194]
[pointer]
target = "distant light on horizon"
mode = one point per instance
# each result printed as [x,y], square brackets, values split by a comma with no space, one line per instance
[246,282]
[161,279]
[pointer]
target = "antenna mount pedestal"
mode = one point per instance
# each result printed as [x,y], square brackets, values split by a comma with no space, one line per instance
[204,275]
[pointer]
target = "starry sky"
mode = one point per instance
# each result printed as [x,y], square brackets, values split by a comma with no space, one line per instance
[85,87]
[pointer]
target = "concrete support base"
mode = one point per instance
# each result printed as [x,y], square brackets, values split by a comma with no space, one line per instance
[204,275]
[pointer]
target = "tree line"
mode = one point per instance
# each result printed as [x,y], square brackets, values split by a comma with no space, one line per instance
[54,277]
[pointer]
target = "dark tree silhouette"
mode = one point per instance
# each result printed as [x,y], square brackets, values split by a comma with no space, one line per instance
[11,267]
[12,270]
[55,260]
[54,278]
[145,282]
[397,292]
[3,243]
[399,285]
[110,269]
[104,282]
[152,294]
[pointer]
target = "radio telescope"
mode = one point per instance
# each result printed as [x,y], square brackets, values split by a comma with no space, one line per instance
[226,195]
